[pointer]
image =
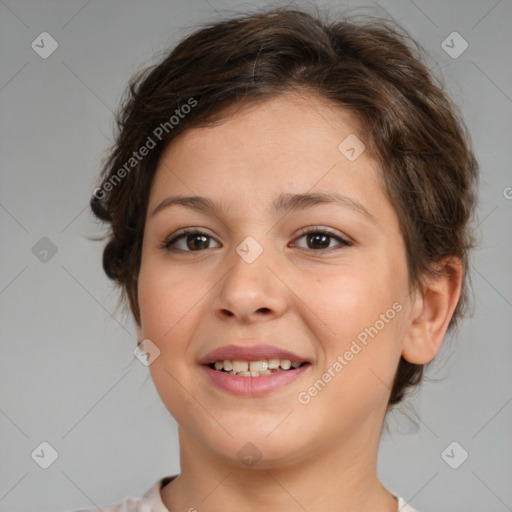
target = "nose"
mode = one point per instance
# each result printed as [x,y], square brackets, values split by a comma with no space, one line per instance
[251,291]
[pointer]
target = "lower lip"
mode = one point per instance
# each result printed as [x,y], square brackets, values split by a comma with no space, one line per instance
[254,386]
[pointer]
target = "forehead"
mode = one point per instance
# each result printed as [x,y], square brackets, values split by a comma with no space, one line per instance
[293,143]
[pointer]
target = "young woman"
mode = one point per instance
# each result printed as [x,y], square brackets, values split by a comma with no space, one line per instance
[289,199]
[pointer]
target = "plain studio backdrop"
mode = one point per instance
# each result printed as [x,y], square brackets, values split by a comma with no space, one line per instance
[71,386]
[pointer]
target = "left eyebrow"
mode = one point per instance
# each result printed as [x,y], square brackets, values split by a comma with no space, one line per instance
[284,202]
[288,202]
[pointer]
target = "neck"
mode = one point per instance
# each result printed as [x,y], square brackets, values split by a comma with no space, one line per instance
[342,479]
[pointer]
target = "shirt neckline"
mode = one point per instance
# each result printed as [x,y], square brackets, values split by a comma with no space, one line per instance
[154,496]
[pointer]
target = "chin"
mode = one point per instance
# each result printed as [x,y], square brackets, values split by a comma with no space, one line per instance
[250,448]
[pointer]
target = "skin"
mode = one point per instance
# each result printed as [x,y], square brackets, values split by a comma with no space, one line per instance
[316,456]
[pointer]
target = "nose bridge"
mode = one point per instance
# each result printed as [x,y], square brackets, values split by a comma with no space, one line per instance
[250,288]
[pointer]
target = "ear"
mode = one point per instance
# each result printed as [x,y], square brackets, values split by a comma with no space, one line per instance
[432,310]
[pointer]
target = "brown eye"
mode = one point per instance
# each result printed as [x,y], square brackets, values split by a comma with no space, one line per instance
[321,239]
[189,241]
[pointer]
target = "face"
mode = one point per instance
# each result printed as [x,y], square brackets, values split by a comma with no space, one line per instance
[295,254]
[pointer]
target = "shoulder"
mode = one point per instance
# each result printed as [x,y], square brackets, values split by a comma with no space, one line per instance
[151,501]
[127,505]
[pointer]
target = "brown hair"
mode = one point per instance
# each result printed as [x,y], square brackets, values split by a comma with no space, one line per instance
[368,68]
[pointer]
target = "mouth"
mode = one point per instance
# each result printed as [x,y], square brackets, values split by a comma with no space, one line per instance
[258,368]
[253,370]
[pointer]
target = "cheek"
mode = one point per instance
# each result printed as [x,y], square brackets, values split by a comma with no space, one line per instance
[348,302]
[166,297]
[359,360]
[169,305]
[359,317]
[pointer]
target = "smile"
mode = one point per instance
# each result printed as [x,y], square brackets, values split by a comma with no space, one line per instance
[255,368]
[254,383]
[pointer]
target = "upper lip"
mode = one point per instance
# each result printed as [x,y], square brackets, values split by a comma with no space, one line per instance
[249,353]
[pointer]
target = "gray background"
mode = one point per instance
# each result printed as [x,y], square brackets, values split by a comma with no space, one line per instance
[68,374]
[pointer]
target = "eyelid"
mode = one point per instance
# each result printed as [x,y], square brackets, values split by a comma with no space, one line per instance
[166,243]
[328,231]
[343,240]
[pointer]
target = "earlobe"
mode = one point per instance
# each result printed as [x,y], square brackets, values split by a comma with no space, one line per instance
[432,311]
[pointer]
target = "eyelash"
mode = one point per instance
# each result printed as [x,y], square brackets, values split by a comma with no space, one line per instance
[167,244]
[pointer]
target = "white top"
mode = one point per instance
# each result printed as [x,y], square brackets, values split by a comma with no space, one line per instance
[152,502]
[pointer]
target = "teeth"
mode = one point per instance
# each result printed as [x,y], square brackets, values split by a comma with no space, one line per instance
[258,366]
[255,368]
[240,366]
[286,364]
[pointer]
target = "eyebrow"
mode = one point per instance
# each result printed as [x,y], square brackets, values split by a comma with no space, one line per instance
[283,203]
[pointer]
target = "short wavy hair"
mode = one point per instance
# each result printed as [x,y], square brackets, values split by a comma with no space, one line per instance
[371,68]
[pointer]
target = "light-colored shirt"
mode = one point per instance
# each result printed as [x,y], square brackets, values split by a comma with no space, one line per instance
[152,502]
